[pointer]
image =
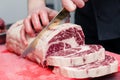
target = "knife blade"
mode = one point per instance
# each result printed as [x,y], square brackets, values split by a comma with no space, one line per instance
[63,13]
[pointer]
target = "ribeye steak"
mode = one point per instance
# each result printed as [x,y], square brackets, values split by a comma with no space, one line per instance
[95,69]
[76,56]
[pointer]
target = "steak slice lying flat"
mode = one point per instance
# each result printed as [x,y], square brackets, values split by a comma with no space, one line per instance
[95,69]
[53,40]
[76,56]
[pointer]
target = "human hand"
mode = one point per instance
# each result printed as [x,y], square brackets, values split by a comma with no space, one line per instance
[71,5]
[38,19]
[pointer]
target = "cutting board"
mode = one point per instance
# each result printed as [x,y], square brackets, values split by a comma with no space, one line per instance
[12,67]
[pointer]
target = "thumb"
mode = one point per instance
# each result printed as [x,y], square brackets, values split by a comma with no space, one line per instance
[52,13]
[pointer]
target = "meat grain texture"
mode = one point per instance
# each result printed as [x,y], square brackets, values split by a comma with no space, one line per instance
[63,46]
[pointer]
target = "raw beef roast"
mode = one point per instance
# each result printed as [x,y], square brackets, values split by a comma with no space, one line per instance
[63,46]
[53,40]
[76,56]
[95,69]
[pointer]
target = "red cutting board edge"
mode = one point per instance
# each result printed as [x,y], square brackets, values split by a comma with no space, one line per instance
[12,67]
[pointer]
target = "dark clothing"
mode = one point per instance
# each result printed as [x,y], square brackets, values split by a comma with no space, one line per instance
[100,20]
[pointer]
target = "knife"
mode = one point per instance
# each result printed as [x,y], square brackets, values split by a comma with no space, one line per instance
[62,15]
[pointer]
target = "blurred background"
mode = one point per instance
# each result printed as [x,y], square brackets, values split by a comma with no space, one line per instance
[14,10]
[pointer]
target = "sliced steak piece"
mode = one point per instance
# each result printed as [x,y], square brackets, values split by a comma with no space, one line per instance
[76,56]
[53,40]
[96,69]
